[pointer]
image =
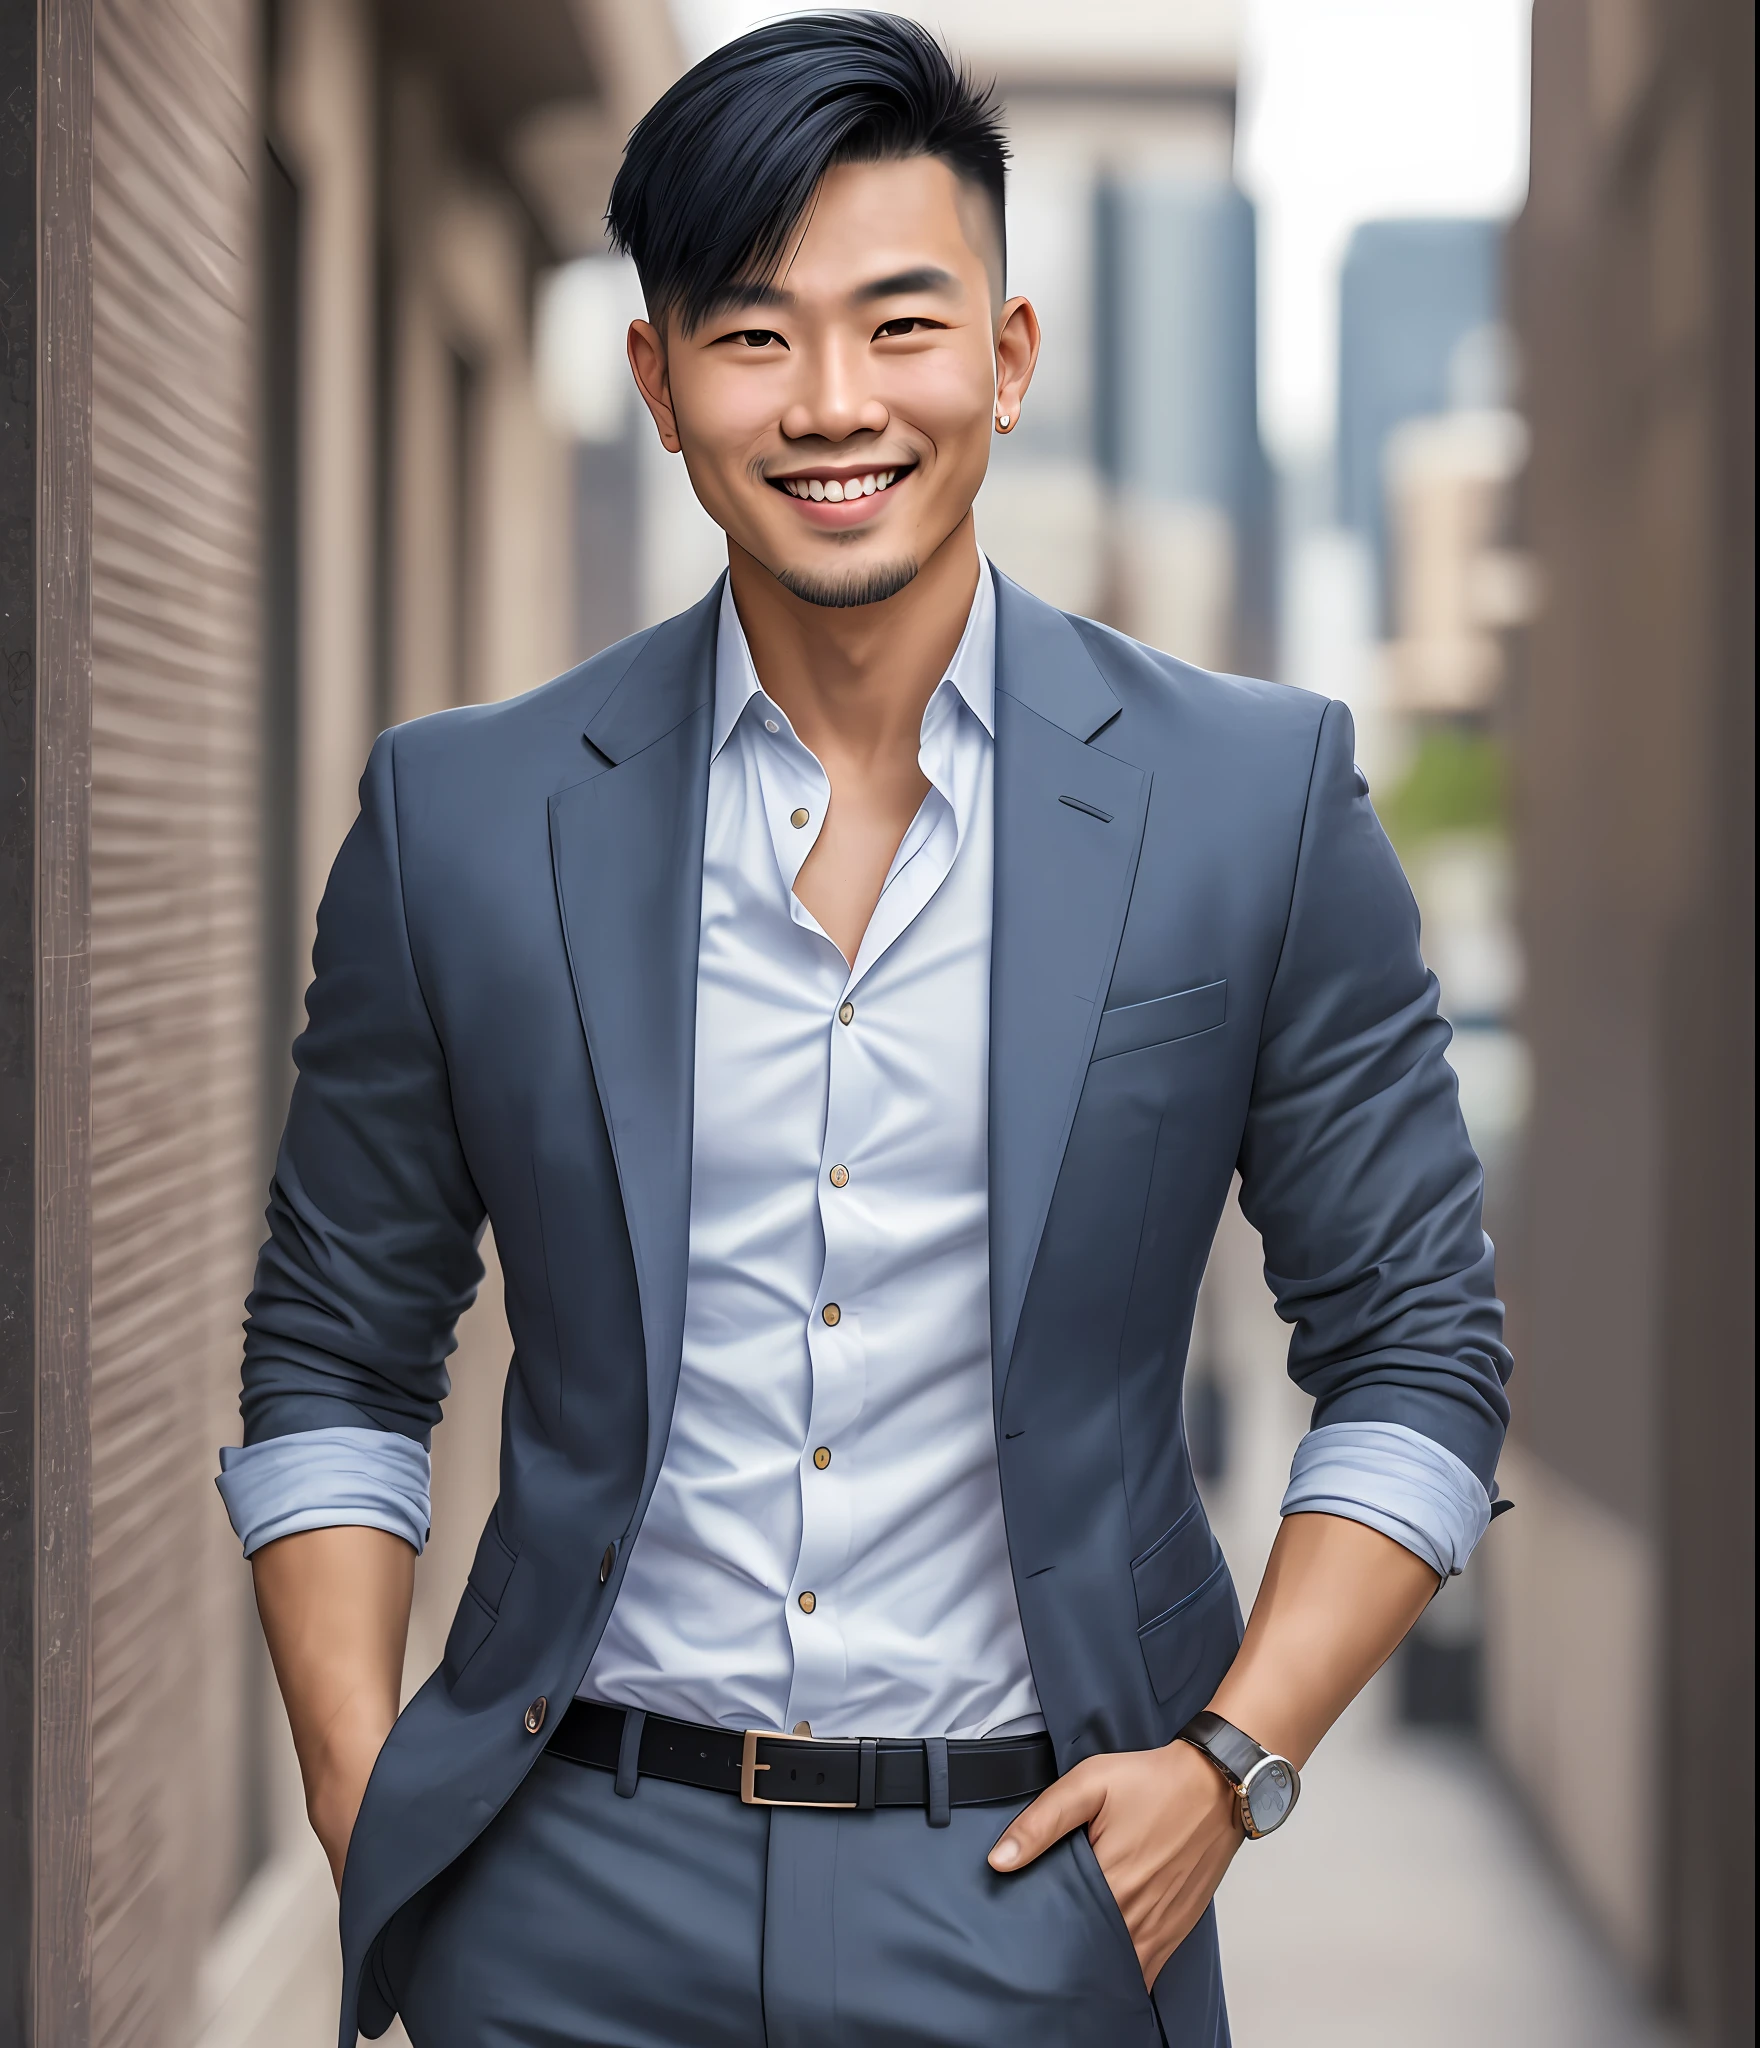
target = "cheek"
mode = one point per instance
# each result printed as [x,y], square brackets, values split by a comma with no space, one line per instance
[946,398]
[721,412]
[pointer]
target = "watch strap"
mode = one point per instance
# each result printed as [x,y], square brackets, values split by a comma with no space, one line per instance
[1233,1752]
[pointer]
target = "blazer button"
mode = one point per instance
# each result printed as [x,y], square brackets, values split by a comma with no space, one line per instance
[606,1562]
[535,1714]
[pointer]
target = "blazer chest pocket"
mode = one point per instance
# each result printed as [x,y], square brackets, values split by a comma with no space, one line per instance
[478,1611]
[1182,1585]
[1133,1027]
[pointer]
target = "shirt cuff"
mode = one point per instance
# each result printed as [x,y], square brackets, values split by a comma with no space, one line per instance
[1393,1479]
[326,1479]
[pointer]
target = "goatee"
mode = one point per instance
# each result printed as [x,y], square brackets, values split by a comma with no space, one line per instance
[859,586]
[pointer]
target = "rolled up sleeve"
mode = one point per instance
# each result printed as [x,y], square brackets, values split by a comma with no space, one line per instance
[326,1479]
[1356,1167]
[374,1218]
[1392,1479]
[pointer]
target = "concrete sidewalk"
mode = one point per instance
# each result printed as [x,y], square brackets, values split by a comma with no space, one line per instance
[1407,1905]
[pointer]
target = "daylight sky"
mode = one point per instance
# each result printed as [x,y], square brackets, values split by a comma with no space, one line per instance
[1351,110]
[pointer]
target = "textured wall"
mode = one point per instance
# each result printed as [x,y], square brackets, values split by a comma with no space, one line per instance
[175,977]
[1633,1308]
[194,1778]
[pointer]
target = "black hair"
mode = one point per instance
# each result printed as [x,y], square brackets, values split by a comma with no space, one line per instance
[720,169]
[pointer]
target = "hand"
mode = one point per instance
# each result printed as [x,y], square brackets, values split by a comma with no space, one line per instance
[1164,1828]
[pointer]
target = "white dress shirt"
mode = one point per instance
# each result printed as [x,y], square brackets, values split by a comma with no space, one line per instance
[825,1542]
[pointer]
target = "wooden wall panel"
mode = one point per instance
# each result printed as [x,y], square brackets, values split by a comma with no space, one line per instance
[175,978]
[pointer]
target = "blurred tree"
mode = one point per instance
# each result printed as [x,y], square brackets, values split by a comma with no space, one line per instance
[1456,783]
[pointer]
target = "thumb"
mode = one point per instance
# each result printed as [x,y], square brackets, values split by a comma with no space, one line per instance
[1072,1802]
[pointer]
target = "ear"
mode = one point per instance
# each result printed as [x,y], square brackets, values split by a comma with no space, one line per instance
[647,362]
[1017,350]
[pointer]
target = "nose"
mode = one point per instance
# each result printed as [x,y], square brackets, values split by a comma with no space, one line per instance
[832,399]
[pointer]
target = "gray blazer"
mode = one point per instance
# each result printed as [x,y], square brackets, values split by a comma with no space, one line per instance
[1205,959]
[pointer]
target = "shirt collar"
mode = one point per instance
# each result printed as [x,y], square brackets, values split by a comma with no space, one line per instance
[971,672]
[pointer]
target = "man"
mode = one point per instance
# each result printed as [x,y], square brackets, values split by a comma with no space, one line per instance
[850,1001]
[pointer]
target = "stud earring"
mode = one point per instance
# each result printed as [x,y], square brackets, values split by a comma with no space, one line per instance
[1002,421]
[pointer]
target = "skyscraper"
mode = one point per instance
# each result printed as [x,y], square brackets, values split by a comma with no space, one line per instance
[1412,293]
[1177,413]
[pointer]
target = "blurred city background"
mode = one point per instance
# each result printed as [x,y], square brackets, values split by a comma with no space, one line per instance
[1397,349]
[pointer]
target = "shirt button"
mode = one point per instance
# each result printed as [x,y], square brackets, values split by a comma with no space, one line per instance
[770,725]
[806,1603]
[847,1014]
[840,1176]
[798,818]
[832,1314]
[535,1714]
[821,1457]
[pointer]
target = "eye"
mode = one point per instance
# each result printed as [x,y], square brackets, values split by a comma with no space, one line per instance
[755,337]
[893,329]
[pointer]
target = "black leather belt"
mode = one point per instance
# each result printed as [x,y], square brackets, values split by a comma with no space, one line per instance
[806,1770]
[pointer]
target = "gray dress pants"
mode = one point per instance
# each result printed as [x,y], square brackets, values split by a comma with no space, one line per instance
[679,1918]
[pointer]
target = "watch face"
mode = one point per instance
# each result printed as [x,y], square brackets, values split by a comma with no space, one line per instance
[1270,1793]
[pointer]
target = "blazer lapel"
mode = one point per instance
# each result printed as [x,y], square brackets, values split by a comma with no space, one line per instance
[1069,828]
[627,848]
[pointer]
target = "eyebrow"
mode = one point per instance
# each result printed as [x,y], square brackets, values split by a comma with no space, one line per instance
[755,296]
[743,298]
[926,278]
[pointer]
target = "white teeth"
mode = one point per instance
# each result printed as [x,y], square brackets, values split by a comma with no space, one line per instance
[836,493]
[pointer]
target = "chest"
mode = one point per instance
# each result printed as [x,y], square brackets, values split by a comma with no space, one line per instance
[886,1062]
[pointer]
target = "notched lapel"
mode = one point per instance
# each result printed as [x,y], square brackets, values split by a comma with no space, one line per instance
[1069,829]
[627,848]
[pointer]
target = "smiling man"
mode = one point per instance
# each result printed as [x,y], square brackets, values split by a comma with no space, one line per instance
[850,1001]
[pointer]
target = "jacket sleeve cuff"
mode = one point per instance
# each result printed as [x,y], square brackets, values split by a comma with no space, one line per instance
[326,1479]
[1393,1479]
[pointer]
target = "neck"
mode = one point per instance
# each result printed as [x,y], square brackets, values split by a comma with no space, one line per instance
[855,679]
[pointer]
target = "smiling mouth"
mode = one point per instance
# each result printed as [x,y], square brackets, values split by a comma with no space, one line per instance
[840,490]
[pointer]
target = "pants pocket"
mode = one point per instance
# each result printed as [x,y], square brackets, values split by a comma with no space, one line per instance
[1111,1922]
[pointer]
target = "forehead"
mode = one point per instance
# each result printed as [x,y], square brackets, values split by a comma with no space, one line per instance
[878,219]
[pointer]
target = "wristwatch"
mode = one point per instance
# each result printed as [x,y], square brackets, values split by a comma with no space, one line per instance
[1266,1787]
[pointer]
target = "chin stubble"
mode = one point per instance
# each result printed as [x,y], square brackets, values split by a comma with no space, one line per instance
[860,586]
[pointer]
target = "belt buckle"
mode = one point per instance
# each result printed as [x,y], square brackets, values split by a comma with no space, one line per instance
[749,1767]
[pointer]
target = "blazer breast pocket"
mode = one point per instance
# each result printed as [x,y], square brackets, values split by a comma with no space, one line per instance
[1133,1026]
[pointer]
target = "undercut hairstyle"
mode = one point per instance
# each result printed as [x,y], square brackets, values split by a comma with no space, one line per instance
[721,169]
